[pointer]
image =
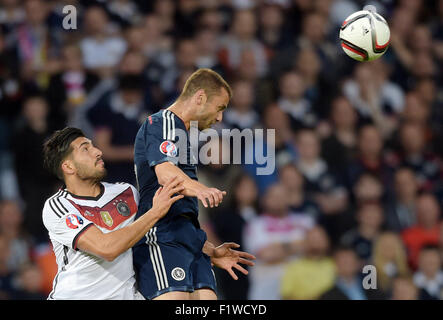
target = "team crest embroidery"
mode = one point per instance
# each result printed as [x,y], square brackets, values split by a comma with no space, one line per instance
[178,274]
[123,208]
[73,221]
[168,148]
[106,217]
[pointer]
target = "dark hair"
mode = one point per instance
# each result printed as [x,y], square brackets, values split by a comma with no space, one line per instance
[58,147]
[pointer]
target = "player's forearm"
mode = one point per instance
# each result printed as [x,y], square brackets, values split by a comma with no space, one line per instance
[166,171]
[119,241]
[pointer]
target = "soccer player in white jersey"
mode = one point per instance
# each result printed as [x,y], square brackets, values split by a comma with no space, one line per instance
[91,223]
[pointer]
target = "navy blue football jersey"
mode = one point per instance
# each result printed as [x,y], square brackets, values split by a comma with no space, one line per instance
[155,143]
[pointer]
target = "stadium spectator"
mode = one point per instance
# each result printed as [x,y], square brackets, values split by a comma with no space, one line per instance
[12,230]
[215,171]
[29,285]
[36,45]
[348,281]
[318,90]
[370,158]
[404,289]
[241,114]
[369,222]
[242,37]
[414,154]
[164,10]
[426,231]
[400,212]
[7,288]
[185,58]
[116,119]
[272,31]
[390,259]
[321,184]
[206,41]
[69,88]
[124,12]
[158,44]
[429,276]
[275,237]
[292,101]
[367,190]
[293,181]
[376,99]
[34,181]
[273,118]
[101,49]
[313,274]
[340,147]
[229,223]
[11,15]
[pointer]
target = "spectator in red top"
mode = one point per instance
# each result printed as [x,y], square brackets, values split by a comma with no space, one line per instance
[427,229]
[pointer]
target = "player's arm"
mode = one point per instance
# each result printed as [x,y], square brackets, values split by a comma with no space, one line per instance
[192,188]
[110,245]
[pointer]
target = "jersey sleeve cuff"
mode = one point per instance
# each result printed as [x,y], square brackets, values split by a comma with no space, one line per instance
[174,161]
[75,240]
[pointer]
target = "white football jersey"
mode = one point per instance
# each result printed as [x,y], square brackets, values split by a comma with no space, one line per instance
[83,276]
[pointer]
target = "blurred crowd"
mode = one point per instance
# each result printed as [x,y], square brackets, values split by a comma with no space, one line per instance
[359,146]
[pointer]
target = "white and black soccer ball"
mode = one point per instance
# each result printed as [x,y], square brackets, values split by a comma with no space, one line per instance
[365,35]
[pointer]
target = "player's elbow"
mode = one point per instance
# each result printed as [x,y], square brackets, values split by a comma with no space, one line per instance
[108,252]
[110,255]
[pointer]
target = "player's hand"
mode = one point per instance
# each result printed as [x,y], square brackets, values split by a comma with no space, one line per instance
[225,257]
[163,197]
[211,197]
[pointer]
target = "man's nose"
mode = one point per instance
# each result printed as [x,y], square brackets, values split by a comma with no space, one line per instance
[219,117]
[98,152]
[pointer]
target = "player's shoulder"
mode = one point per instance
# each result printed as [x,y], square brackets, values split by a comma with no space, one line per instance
[156,119]
[159,120]
[55,206]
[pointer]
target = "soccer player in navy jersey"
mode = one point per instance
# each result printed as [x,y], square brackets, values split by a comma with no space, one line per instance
[174,260]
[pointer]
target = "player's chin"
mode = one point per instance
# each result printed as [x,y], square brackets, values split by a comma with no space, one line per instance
[101,174]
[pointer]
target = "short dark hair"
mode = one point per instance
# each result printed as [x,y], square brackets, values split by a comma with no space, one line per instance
[205,79]
[58,147]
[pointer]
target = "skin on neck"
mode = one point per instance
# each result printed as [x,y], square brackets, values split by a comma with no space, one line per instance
[83,188]
[184,110]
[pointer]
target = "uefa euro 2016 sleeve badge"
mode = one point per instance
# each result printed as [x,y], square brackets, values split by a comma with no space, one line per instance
[168,148]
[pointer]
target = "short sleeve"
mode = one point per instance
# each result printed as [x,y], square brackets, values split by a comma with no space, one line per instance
[63,222]
[159,143]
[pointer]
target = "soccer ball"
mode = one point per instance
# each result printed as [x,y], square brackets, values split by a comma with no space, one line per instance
[365,35]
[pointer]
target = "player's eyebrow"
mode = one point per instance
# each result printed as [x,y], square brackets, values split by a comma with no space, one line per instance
[85,142]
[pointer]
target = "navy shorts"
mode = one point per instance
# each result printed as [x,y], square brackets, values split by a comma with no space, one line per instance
[171,259]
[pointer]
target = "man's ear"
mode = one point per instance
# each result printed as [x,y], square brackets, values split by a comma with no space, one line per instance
[200,97]
[68,167]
